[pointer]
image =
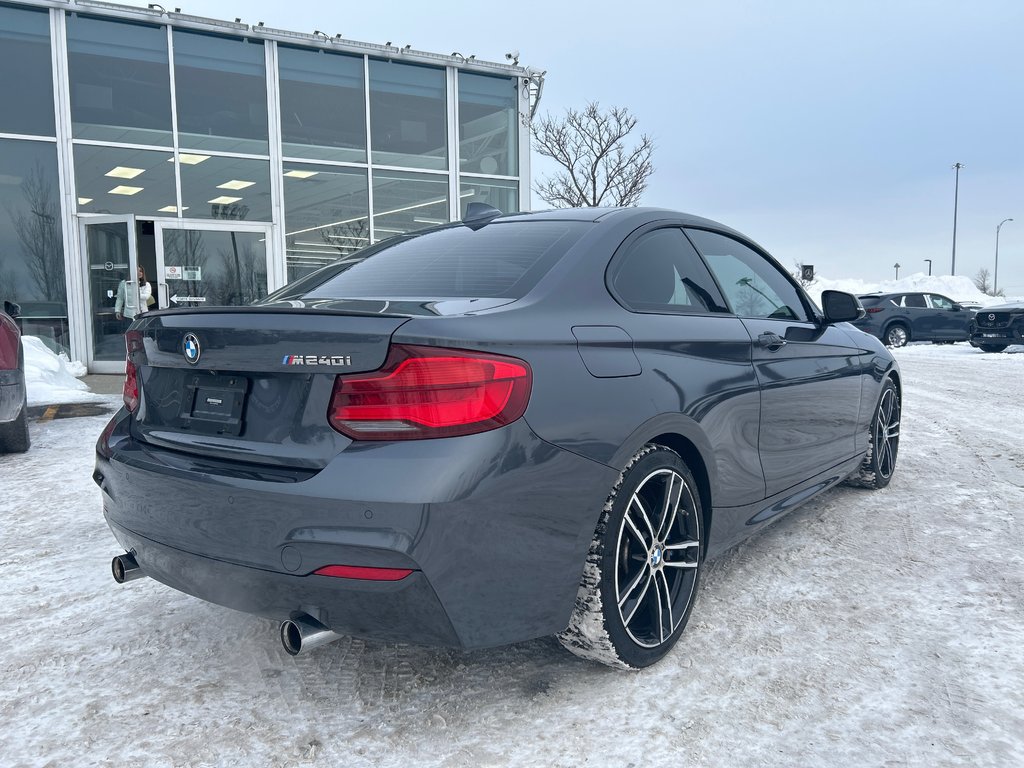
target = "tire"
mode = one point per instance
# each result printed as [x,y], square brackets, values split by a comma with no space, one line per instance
[644,564]
[883,442]
[896,335]
[992,347]
[14,436]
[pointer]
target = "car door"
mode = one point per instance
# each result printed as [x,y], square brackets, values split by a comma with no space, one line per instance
[695,353]
[922,318]
[809,373]
[949,318]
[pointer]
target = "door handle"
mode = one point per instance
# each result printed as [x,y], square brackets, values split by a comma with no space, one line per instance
[771,341]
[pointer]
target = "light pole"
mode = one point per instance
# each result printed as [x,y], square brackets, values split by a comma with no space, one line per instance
[956,197]
[897,265]
[930,266]
[995,277]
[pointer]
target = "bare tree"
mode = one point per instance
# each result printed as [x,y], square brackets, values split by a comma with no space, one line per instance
[982,281]
[599,169]
[39,230]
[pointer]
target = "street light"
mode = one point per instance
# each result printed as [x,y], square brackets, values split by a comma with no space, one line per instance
[897,265]
[956,197]
[995,277]
[929,267]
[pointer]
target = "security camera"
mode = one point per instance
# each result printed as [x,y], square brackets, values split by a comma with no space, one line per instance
[513,56]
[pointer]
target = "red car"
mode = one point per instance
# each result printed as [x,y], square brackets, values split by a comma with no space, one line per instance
[13,403]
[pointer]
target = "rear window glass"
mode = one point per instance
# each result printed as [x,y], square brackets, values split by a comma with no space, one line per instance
[498,260]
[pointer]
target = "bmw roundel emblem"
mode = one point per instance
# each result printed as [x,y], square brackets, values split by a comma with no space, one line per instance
[190,348]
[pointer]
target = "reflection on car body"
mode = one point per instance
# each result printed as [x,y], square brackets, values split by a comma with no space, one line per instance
[899,318]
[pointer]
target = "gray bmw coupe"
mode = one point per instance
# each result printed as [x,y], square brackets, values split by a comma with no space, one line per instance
[509,427]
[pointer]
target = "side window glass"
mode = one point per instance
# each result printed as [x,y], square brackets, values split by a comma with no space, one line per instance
[916,300]
[940,302]
[754,286]
[661,272]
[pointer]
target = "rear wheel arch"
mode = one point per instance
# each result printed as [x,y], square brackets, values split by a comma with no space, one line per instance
[683,435]
[695,461]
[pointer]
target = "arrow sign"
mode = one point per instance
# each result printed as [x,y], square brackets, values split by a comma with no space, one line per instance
[178,299]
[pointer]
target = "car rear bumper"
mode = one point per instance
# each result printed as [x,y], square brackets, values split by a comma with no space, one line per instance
[12,394]
[495,527]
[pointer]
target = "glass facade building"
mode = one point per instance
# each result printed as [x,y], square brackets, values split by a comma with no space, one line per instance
[224,160]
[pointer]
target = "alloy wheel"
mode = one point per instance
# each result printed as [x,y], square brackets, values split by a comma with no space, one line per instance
[887,432]
[657,556]
[896,336]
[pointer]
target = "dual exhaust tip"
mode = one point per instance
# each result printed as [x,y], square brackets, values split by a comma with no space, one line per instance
[299,633]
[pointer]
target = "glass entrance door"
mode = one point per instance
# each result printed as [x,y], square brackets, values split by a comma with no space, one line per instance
[204,266]
[109,245]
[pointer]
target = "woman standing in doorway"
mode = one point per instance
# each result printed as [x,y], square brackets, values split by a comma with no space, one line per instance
[132,298]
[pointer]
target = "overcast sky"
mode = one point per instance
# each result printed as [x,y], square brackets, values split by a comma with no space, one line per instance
[826,131]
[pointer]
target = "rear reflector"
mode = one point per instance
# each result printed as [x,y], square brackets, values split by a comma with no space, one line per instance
[363,572]
[424,392]
[873,310]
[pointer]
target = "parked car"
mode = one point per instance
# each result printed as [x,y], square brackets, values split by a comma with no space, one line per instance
[14,437]
[491,431]
[993,329]
[897,318]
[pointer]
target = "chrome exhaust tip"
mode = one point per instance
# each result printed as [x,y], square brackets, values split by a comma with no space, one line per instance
[304,633]
[125,568]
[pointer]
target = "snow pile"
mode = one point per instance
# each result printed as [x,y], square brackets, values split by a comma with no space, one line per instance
[956,287]
[50,378]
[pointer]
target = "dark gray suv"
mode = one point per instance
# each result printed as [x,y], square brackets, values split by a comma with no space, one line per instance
[993,329]
[897,318]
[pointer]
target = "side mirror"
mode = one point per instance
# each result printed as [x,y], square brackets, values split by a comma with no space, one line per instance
[841,307]
[957,308]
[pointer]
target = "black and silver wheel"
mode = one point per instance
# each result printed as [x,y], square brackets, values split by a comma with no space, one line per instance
[883,441]
[897,335]
[992,347]
[642,571]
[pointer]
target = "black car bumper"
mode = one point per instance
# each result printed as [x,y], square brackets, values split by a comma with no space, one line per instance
[12,394]
[495,527]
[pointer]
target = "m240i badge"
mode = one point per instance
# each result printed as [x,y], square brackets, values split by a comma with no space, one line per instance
[317,360]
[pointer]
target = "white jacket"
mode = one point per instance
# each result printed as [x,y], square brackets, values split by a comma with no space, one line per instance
[132,298]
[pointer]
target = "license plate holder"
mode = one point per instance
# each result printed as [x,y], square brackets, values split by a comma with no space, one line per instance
[214,404]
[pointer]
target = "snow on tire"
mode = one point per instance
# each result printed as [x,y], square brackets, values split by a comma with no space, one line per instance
[643,568]
[878,466]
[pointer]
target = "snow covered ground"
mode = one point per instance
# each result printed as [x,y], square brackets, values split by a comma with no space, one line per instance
[865,629]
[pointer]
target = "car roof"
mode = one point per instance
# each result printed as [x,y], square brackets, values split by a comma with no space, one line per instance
[602,213]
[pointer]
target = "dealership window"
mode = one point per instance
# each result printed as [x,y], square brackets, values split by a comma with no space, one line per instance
[404,202]
[326,215]
[221,88]
[488,132]
[27,97]
[234,188]
[119,81]
[408,115]
[499,193]
[323,105]
[119,180]
[31,240]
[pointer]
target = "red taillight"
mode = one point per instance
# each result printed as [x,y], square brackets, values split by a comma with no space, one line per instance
[873,310]
[130,393]
[363,572]
[424,392]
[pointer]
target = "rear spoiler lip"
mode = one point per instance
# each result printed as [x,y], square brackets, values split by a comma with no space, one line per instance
[256,310]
